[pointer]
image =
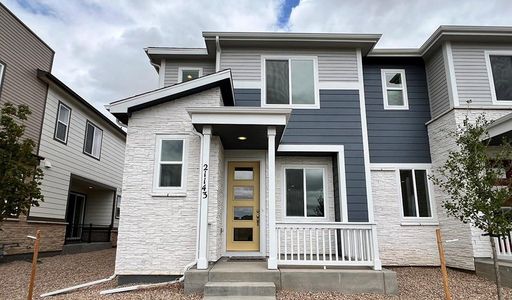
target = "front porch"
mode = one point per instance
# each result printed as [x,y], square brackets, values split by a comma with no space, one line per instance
[231,277]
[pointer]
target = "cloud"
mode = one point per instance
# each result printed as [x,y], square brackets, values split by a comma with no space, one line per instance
[402,23]
[99,44]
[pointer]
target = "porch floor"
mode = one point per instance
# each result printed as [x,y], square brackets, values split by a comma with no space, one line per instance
[297,278]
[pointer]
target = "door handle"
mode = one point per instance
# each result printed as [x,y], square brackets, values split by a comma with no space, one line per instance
[258,218]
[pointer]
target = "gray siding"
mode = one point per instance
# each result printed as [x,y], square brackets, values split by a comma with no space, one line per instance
[333,65]
[437,83]
[171,69]
[69,159]
[338,121]
[397,136]
[23,53]
[471,71]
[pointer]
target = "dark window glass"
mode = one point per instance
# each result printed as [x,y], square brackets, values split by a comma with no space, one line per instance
[408,202]
[315,192]
[294,193]
[172,150]
[61,132]
[187,75]
[89,138]
[422,193]
[243,173]
[277,82]
[243,234]
[243,213]
[303,81]
[502,75]
[170,175]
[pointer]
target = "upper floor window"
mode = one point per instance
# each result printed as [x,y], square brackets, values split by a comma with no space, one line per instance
[394,89]
[500,75]
[414,188]
[170,160]
[290,81]
[304,192]
[189,73]
[62,123]
[93,139]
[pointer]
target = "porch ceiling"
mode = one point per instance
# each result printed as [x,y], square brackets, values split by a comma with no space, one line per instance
[233,123]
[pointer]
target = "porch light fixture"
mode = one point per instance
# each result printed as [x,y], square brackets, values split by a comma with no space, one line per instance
[90,187]
[242,138]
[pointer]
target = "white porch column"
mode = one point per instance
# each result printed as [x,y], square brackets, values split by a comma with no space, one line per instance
[202,261]
[272,248]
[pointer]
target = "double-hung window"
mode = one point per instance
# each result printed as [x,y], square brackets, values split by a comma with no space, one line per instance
[93,140]
[500,75]
[62,123]
[414,188]
[394,89]
[189,73]
[290,82]
[170,163]
[304,192]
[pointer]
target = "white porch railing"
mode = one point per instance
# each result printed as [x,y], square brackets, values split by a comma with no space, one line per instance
[504,247]
[327,244]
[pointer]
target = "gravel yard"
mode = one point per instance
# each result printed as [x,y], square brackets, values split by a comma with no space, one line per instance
[65,270]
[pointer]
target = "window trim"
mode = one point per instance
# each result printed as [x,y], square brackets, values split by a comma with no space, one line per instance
[185,68]
[85,138]
[385,89]
[305,218]
[430,190]
[492,87]
[65,142]
[170,191]
[264,58]
[2,73]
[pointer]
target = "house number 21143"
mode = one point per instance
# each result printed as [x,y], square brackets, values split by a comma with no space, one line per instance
[204,188]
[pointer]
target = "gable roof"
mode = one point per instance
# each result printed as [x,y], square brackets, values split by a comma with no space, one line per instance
[121,109]
[52,80]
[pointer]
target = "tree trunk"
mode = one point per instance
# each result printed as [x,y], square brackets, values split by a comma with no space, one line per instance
[496,268]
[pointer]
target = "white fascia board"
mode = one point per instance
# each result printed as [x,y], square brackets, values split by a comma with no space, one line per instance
[309,148]
[500,126]
[239,116]
[122,106]
[176,51]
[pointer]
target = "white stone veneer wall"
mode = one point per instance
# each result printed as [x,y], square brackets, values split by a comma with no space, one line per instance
[459,254]
[399,245]
[157,235]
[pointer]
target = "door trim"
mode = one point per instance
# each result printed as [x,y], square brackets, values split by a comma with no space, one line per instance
[247,155]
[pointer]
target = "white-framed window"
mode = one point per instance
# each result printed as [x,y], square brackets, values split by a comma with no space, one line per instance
[415,196]
[499,69]
[2,71]
[118,207]
[394,89]
[62,123]
[93,140]
[189,73]
[170,163]
[290,81]
[304,192]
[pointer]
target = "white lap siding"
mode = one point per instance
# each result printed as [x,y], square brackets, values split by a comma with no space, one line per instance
[157,235]
[402,245]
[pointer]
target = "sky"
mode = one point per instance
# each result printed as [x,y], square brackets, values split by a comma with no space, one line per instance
[99,45]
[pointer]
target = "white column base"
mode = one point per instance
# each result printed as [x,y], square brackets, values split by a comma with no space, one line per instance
[272,264]
[377,266]
[202,264]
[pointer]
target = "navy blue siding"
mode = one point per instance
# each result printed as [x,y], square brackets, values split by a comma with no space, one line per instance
[397,136]
[338,121]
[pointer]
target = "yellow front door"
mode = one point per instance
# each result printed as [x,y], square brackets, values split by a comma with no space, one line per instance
[243,209]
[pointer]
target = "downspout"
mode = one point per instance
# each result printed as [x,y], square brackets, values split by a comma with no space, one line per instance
[217,54]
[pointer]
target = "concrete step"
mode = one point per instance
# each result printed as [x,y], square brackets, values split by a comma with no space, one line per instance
[237,289]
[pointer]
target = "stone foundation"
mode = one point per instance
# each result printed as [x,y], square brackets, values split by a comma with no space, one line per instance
[14,232]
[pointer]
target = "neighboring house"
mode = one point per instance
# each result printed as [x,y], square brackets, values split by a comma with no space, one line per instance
[306,149]
[81,150]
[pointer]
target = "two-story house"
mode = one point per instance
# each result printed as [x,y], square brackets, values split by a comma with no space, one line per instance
[81,150]
[303,150]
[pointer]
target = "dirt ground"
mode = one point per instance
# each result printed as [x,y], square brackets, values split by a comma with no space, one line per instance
[66,270]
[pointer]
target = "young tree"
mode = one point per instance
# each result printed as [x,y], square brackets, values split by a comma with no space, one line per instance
[473,178]
[20,174]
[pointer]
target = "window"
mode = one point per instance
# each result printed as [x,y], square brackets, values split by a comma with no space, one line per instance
[93,139]
[290,81]
[118,207]
[186,73]
[2,71]
[500,75]
[62,123]
[169,170]
[394,89]
[415,194]
[304,192]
